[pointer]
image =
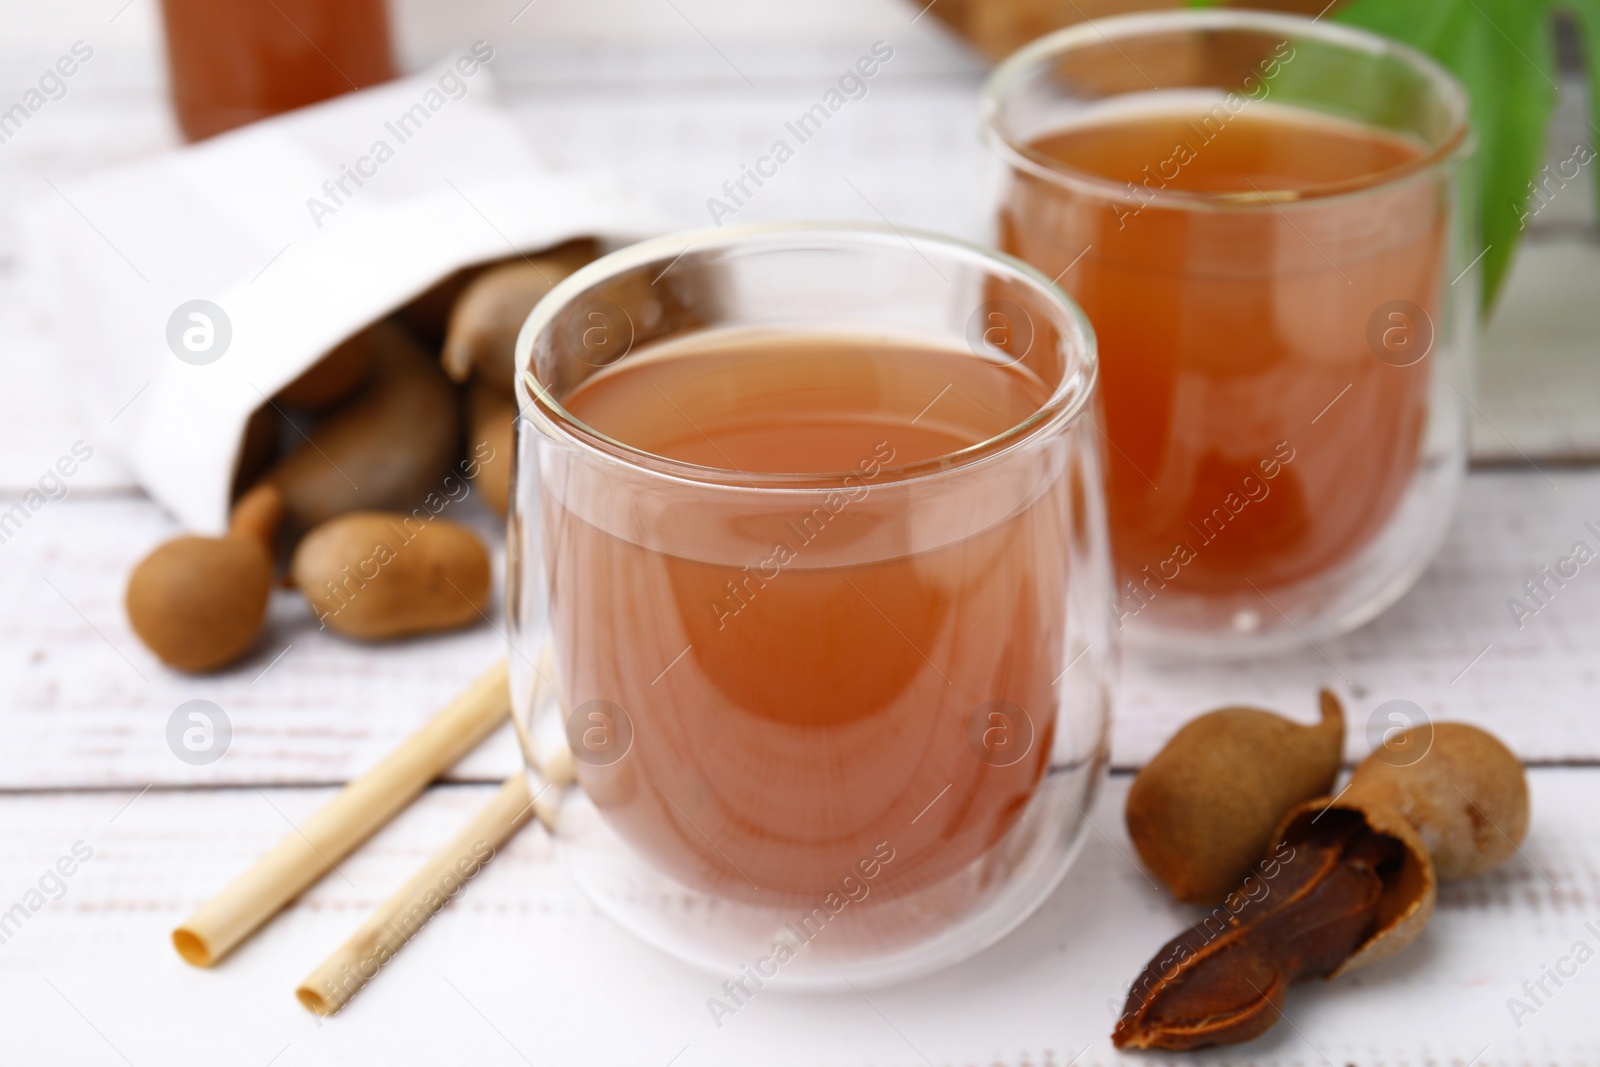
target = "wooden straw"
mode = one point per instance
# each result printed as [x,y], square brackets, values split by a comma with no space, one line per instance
[396,921]
[355,814]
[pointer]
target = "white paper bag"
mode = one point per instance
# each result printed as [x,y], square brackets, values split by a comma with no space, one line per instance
[186,288]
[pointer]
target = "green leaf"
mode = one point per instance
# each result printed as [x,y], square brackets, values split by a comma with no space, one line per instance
[1501,51]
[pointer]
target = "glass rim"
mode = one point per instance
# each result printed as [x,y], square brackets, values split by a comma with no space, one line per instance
[999,86]
[1068,399]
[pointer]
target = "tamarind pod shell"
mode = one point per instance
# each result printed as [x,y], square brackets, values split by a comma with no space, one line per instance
[1300,914]
[1407,902]
[385,448]
[376,575]
[1334,893]
[1205,808]
[1466,794]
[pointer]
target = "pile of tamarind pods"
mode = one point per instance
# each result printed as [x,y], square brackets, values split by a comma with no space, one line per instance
[1235,813]
[401,416]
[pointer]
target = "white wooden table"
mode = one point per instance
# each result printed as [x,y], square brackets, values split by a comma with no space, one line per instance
[521,968]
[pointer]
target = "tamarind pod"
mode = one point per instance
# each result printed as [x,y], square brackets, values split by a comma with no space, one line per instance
[1309,912]
[1204,809]
[385,448]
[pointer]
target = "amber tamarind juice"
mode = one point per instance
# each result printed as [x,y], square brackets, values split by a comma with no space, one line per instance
[1212,378]
[796,708]
[238,61]
[1258,215]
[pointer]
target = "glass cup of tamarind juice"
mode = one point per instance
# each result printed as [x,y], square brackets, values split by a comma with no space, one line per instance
[817,561]
[1265,220]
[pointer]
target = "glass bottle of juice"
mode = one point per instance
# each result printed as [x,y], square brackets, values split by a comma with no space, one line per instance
[236,61]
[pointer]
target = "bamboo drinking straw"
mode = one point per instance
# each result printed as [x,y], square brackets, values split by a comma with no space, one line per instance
[356,962]
[355,814]
[396,921]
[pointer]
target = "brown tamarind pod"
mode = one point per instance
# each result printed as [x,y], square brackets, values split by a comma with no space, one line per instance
[481,340]
[1346,884]
[331,378]
[491,418]
[1205,808]
[1464,791]
[257,516]
[386,447]
[375,575]
[198,602]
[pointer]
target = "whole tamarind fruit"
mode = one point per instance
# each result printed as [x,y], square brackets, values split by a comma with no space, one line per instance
[331,378]
[198,602]
[484,322]
[1204,809]
[385,448]
[376,574]
[491,419]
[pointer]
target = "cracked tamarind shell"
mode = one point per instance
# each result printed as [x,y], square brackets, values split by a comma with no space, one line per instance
[1409,893]
[1467,795]
[1205,808]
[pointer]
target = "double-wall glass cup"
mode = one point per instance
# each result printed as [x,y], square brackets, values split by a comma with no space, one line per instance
[832,718]
[1265,218]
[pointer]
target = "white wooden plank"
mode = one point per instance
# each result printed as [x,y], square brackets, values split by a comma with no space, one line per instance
[82,703]
[522,968]
[1452,645]
[303,704]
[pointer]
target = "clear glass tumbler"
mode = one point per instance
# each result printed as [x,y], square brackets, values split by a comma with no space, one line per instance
[828,725]
[1265,218]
